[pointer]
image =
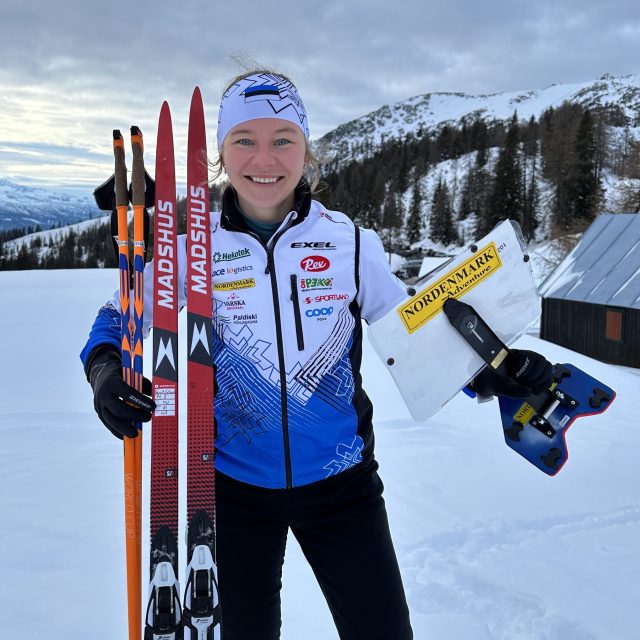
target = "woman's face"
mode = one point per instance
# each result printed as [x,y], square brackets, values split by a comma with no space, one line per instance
[264,160]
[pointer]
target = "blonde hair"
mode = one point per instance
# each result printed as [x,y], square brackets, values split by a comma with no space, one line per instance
[312,163]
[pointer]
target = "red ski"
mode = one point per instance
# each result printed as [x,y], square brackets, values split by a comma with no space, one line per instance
[201,600]
[164,615]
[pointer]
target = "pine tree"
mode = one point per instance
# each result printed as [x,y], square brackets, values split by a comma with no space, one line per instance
[414,221]
[441,228]
[530,204]
[583,185]
[506,199]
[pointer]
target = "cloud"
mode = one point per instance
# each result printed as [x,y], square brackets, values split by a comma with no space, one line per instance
[80,68]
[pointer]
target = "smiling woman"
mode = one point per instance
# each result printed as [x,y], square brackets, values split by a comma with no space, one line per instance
[294,443]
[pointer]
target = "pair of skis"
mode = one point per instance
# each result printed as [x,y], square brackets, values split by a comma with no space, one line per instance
[198,617]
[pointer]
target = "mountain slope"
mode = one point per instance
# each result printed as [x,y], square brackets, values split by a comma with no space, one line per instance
[22,206]
[433,110]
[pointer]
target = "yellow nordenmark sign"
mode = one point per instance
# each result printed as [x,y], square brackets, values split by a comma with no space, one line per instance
[428,302]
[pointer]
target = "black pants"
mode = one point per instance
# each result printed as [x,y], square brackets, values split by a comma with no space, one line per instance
[341,525]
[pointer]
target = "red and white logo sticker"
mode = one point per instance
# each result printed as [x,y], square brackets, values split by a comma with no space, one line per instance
[314,263]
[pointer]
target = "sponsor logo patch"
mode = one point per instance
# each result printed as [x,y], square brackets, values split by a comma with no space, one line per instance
[316,283]
[314,263]
[234,255]
[327,297]
[317,313]
[234,301]
[231,270]
[324,214]
[454,284]
[245,318]
[313,245]
[245,283]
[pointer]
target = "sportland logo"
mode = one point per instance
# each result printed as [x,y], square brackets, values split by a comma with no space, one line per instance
[327,298]
[314,263]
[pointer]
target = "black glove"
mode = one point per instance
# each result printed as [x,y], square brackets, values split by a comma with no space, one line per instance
[529,373]
[117,404]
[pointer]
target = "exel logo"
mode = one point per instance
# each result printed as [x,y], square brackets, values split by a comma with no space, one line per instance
[318,246]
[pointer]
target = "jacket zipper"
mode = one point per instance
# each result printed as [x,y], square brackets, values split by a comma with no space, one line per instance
[296,311]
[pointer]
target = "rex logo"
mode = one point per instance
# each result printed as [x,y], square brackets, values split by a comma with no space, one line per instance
[314,263]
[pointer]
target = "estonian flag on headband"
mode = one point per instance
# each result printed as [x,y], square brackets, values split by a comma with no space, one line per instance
[262,92]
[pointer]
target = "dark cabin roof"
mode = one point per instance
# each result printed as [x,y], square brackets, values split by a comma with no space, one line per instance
[604,267]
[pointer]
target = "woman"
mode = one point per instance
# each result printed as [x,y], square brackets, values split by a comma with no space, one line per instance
[294,444]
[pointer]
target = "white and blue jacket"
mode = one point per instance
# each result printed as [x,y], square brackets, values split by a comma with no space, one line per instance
[287,341]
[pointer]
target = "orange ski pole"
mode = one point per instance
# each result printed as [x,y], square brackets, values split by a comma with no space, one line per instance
[131,519]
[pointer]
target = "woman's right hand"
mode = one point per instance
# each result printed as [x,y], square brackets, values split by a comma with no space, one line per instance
[117,404]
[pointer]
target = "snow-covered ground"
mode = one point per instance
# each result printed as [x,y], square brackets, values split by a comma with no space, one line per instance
[489,547]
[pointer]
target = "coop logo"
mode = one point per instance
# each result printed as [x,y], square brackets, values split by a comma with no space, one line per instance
[316,283]
[235,255]
[317,313]
[461,279]
[329,297]
[314,263]
[318,246]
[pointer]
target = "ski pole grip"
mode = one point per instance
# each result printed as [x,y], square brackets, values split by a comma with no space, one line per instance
[137,168]
[122,199]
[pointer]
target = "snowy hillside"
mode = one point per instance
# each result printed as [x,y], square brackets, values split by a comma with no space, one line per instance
[54,236]
[22,206]
[432,110]
[489,547]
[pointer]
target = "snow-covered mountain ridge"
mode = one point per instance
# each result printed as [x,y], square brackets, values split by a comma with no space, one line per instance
[22,206]
[433,110]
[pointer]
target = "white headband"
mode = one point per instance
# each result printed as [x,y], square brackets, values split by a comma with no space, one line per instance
[262,95]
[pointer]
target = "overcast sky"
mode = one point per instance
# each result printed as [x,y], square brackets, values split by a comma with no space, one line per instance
[72,71]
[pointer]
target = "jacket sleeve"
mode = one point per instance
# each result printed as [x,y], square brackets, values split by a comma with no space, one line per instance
[380,290]
[106,327]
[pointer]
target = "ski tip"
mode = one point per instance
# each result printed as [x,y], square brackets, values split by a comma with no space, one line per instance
[196,115]
[196,100]
[116,134]
[165,113]
[135,131]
